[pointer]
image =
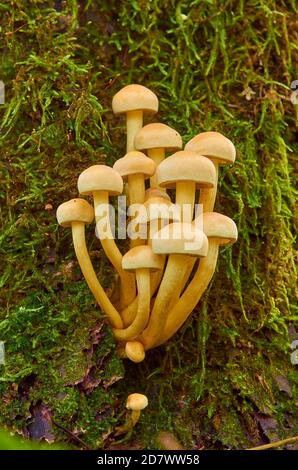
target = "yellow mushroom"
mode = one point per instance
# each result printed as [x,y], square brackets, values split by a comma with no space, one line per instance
[220,230]
[135,167]
[134,350]
[220,151]
[134,100]
[142,261]
[75,214]
[136,402]
[186,171]
[179,240]
[101,181]
[157,138]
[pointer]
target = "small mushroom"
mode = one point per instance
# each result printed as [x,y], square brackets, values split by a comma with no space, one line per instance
[220,230]
[142,261]
[136,402]
[220,151]
[135,167]
[186,171]
[134,351]
[75,214]
[134,100]
[157,138]
[101,181]
[156,192]
[179,240]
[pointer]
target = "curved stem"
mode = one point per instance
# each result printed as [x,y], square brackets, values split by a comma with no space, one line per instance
[127,288]
[189,299]
[157,155]
[78,236]
[171,280]
[129,313]
[176,295]
[135,416]
[143,311]
[208,196]
[134,123]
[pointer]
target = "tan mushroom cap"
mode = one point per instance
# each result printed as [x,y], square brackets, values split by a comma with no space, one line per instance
[213,145]
[159,208]
[186,166]
[135,163]
[158,135]
[75,210]
[136,402]
[142,257]
[180,238]
[156,192]
[133,98]
[220,227]
[100,178]
[135,351]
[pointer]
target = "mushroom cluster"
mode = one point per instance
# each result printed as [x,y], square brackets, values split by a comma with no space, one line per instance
[174,233]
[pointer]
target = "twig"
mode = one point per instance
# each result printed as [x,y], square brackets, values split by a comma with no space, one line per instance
[275,444]
[71,434]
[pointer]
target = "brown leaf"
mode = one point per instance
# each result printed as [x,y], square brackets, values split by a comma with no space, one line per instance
[41,426]
[283,384]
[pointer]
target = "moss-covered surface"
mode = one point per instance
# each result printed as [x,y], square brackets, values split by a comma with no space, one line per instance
[225,380]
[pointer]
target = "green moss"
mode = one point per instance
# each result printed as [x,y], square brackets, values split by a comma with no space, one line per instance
[217,65]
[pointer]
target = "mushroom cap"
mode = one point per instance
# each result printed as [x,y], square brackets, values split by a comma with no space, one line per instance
[180,238]
[156,192]
[186,166]
[135,351]
[158,135]
[135,163]
[213,145]
[142,257]
[100,178]
[75,210]
[159,208]
[220,227]
[133,98]
[136,402]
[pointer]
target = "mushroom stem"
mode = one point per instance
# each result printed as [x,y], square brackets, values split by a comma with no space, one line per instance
[129,313]
[157,155]
[154,226]
[134,417]
[189,299]
[143,310]
[134,122]
[127,289]
[136,194]
[185,198]
[171,280]
[136,189]
[208,196]
[78,236]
